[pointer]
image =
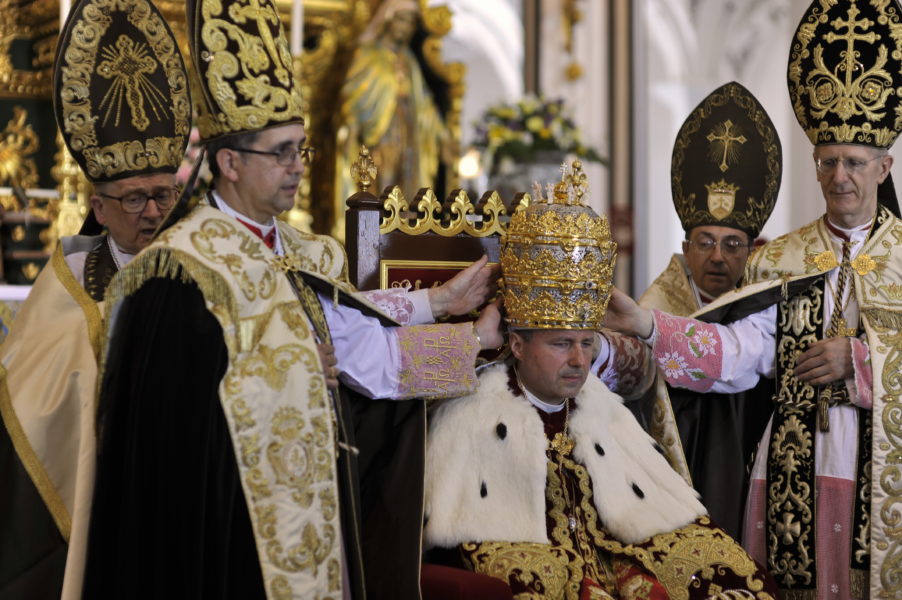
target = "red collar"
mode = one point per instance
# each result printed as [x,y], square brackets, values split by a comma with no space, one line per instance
[269,239]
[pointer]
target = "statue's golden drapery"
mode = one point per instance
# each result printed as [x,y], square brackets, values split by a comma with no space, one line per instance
[372,74]
[404,101]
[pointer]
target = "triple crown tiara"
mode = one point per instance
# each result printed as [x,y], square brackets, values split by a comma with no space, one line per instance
[557,259]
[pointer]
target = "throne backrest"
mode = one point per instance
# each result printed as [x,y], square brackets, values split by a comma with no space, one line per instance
[390,244]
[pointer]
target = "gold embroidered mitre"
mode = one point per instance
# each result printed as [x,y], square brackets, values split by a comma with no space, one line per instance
[243,79]
[727,163]
[844,72]
[120,90]
[557,260]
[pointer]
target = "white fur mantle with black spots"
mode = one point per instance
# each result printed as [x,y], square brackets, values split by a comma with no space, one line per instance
[486,468]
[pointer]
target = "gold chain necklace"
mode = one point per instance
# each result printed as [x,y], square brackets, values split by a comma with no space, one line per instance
[562,443]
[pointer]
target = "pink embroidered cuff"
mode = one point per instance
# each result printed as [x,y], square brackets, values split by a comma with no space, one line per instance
[395,302]
[861,384]
[687,351]
[437,361]
[628,369]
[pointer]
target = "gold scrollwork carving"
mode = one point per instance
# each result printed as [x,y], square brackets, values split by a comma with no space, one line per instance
[18,142]
[457,216]
[36,23]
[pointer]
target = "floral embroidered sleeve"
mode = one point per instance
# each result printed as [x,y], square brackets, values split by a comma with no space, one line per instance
[860,385]
[404,306]
[624,364]
[687,351]
[718,358]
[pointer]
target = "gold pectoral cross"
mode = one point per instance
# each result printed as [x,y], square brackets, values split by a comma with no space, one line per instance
[562,444]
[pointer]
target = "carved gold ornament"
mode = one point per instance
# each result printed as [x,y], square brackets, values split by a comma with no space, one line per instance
[18,142]
[457,216]
[31,29]
[557,260]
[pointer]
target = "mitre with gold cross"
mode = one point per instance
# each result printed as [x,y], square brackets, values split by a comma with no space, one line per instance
[844,77]
[120,90]
[727,163]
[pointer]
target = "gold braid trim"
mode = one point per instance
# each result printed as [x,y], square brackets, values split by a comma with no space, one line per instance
[32,463]
[78,293]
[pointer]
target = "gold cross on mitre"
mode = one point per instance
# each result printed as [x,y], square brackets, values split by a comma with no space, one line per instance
[721,136]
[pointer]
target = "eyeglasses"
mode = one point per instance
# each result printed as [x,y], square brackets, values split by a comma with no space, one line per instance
[287,156]
[850,165]
[728,246]
[135,202]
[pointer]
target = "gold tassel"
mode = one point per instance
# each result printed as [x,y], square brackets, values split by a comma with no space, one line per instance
[859,581]
[886,319]
[798,594]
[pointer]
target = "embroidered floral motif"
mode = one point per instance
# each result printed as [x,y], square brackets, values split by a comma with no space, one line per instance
[395,303]
[686,351]
[673,364]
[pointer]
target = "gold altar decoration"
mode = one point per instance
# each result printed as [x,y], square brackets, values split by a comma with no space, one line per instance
[18,142]
[37,23]
[74,193]
[557,260]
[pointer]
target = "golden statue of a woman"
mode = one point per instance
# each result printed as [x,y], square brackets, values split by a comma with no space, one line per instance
[387,106]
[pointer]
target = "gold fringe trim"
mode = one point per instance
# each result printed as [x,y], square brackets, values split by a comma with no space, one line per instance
[170,263]
[32,463]
[881,317]
[78,293]
[798,594]
[859,580]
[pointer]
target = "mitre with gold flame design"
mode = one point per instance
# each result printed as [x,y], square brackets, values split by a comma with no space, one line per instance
[557,260]
[120,90]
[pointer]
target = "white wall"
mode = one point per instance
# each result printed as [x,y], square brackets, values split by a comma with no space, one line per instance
[487,36]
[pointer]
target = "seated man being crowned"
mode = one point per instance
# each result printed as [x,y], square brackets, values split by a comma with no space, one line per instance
[542,478]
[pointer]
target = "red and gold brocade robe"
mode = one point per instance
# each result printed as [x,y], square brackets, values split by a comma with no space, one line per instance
[608,519]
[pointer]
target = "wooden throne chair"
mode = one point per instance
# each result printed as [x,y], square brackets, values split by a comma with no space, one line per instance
[391,243]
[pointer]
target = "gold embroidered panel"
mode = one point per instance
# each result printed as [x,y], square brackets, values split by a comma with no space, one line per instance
[243,65]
